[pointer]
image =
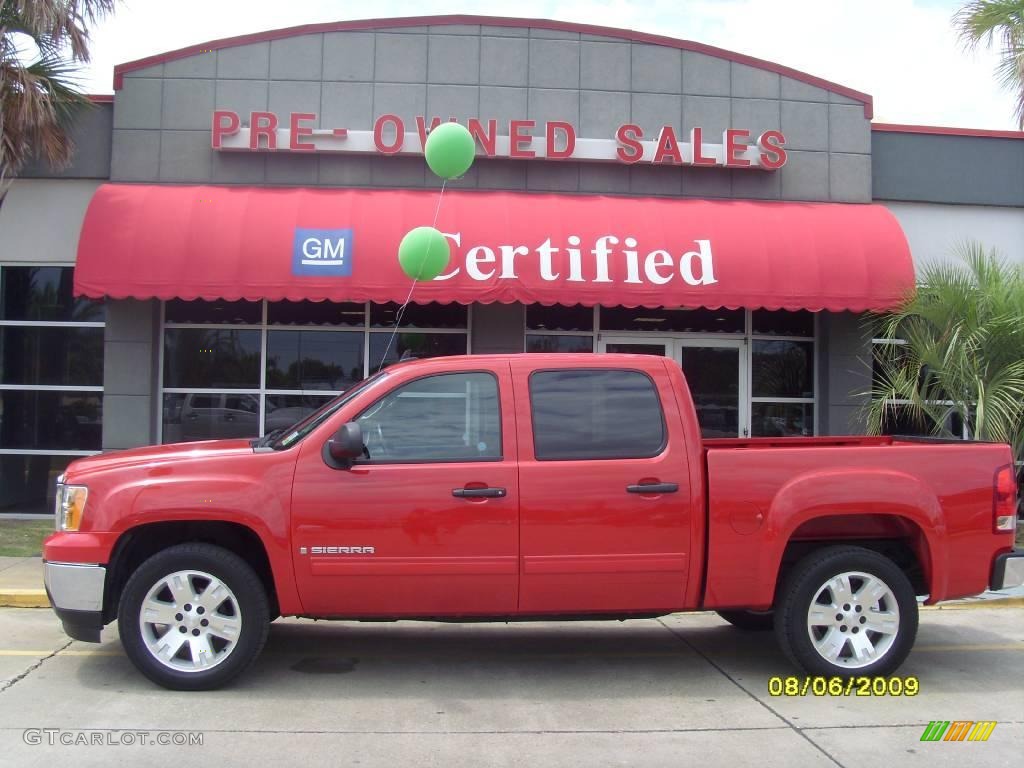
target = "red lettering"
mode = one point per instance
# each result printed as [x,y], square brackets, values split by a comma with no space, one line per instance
[630,149]
[378,134]
[487,140]
[517,139]
[222,128]
[773,155]
[696,145]
[298,131]
[734,147]
[668,147]
[262,124]
[421,128]
[570,139]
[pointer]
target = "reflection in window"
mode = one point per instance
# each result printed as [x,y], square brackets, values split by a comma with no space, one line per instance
[205,416]
[431,315]
[541,343]
[597,414]
[782,419]
[783,368]
[314,359]
[45,293]
[282,411]
[211,358]
[559,318]
[450,417]
[29,482]
[412,346]
[51,356]
[48,420]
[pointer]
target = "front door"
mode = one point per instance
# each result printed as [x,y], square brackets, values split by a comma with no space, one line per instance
[716,372]
[428,523]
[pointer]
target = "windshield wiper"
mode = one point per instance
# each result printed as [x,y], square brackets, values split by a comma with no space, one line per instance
[267,439]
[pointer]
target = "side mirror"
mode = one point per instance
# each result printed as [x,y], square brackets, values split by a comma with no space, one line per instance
[346,445]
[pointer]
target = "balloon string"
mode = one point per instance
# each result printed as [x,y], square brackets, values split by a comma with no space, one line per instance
[408,298]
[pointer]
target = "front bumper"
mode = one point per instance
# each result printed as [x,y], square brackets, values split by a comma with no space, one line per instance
[76,594]
[1008,570]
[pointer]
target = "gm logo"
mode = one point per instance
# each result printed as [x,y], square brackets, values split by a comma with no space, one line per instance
[322,252]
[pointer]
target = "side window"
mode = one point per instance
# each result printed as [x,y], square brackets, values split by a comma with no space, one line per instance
[449,417]
[595,414]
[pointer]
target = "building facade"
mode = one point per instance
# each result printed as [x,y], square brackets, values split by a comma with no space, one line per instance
[174,325]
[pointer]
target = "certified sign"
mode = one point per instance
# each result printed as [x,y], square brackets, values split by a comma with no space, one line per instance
[322,252]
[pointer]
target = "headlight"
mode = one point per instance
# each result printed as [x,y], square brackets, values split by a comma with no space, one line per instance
[70,506]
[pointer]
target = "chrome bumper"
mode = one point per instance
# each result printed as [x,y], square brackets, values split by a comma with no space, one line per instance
[1008,570]
[75,587]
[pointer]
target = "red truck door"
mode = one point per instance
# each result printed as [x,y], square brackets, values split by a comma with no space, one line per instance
[604,488]
[428,525]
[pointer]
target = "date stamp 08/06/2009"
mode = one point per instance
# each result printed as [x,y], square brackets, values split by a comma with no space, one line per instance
[838,686]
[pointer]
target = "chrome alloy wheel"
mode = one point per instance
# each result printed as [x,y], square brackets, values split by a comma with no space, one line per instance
[190,621]
[853,619]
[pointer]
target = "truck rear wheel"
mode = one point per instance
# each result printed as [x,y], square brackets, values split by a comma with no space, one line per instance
[846,611]
[751,621]
[193,616]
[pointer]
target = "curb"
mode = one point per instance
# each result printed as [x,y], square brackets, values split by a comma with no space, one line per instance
[24,598]
[962,605]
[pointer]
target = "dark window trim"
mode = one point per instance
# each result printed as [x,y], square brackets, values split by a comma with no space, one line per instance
[533,415]
[490,460]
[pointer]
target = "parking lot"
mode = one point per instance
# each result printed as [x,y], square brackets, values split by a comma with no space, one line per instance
[651,692]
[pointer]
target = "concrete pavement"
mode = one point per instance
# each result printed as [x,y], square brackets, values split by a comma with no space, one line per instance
[666,692]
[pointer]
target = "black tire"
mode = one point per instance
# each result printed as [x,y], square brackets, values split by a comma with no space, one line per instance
[802,585]
[750,621]
[246,591]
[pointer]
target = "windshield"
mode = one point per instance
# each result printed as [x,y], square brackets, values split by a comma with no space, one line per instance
[306,425]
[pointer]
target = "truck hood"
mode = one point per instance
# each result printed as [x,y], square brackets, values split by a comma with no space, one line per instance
[156,455]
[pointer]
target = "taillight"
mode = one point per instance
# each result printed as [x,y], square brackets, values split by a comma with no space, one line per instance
[1004,500]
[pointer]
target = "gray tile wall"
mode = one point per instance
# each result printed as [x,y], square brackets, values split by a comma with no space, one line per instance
[844,373]
[162,114]
[130,377]
[90,133]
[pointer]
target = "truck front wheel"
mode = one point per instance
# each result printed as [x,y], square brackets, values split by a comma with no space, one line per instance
[846,611]
[193,616]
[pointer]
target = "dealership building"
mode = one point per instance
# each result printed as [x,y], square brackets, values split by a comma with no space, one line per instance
[220,256]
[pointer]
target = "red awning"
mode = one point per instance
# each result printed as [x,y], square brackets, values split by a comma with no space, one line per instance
[341,244]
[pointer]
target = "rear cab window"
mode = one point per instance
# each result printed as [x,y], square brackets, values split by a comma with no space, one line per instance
[604,413]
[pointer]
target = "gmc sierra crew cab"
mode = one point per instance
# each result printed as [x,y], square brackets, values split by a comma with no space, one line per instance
[523,487]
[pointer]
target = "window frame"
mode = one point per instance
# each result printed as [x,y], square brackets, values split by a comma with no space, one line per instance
[596,369]
[362,461]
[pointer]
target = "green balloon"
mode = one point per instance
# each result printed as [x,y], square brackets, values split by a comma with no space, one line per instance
[423,253]
[449,150]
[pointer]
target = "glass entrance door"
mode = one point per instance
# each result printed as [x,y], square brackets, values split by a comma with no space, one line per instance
[717,374]
[715,369]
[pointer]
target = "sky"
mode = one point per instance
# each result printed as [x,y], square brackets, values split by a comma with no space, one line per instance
[903,52]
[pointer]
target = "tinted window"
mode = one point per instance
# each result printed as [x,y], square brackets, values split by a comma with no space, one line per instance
[211,358]
[452,417]
[595,415]
[44,293]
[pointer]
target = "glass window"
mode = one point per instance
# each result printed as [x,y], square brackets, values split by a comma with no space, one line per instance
[219,311]
[51,356]
[782,419]
[51,421]
[540,343]
[559,318]
[282,411]
[316,313]
[675,320]
[314,359]
[431,315]
[783,368]
[211,358]
[414,345]
[44,293]
[204,416]
[29,482]
[450,417]
[783,323]
[596,414]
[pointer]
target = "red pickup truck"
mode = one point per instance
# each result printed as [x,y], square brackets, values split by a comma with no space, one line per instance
[523,487]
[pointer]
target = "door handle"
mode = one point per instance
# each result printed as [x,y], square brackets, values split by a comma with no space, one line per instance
[653,488]
[479,493]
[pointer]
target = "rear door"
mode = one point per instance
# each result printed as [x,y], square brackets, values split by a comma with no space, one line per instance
[604,489]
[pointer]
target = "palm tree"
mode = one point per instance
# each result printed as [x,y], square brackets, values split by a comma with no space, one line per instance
[42,42]
[958,352]
[981,21]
